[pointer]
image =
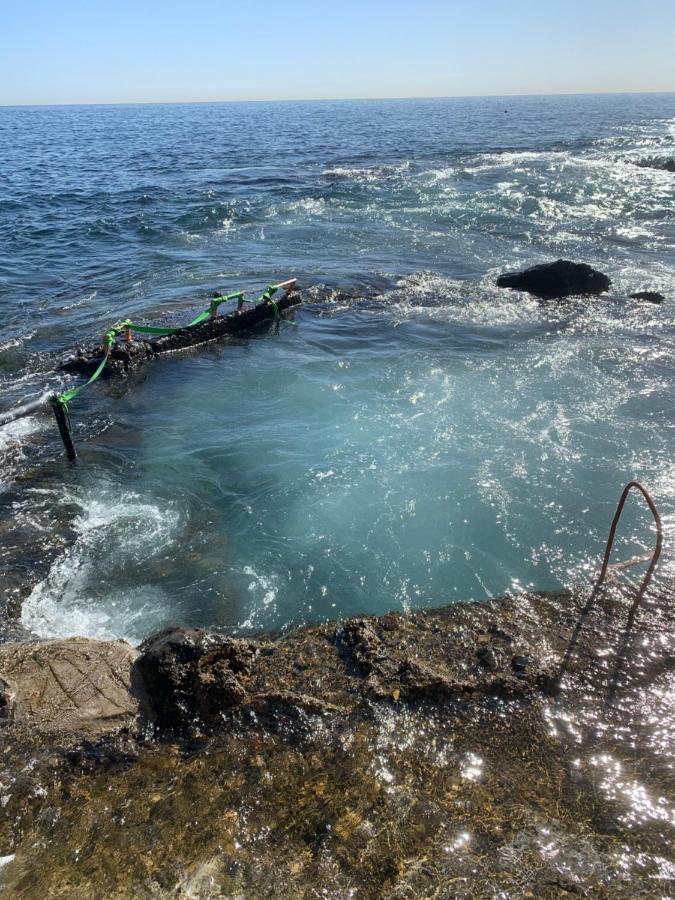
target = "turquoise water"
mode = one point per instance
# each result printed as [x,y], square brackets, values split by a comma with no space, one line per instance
[418,437]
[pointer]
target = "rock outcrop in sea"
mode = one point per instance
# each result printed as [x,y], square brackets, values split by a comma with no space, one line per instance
[648,296]
[553,281]
[666,165]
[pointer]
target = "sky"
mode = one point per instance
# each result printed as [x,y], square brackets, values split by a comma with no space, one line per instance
[98,51]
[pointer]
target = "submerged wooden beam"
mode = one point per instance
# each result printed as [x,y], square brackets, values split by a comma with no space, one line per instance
[36,406]
[126,356]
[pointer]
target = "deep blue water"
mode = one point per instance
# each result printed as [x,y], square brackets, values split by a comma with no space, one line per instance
[420,436]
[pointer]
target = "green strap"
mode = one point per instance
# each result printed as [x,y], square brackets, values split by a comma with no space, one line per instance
[223,298]
[65,398]
[111,336]
[266,297]
[202,317]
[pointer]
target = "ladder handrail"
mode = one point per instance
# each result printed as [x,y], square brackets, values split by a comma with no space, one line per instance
[612,534]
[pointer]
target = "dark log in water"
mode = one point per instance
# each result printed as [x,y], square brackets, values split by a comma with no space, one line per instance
[26,409]
[126,357]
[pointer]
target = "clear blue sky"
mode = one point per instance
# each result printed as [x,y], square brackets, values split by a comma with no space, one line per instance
[107,51]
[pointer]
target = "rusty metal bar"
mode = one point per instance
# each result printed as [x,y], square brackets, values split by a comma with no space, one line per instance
[612,534]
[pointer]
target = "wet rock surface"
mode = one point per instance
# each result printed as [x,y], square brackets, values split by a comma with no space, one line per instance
[556,280]
[398,669]
[192,677]
[77,686]
[520,747]
[665,165]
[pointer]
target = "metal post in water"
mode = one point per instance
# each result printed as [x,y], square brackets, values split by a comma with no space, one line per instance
[64,431]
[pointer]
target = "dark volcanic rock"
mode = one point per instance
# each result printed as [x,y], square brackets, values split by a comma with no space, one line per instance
[666,165]
[123,358]
[400,665]
[556,280]
[520,664]
[648,296]
[193,676]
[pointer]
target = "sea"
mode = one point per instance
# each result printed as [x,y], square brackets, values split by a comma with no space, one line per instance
[415,436]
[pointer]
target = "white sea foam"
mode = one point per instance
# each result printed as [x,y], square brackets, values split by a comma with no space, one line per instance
[451,299]
[16,432]
[368,173]
[60,609]
[262,590]
[311,205]
[82,593]
[13,436]
[10,344]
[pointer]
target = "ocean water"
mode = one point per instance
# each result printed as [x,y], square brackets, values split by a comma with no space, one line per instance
[418,437]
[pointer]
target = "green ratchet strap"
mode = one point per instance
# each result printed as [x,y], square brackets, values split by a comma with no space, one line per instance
[215,303]
[266,297]
[111,336]
[65,398]
[202,317]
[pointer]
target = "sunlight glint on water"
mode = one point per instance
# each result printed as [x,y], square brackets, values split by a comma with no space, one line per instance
[427,438]
[367,460]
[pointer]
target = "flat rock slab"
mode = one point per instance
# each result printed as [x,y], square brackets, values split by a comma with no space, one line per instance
[76,685]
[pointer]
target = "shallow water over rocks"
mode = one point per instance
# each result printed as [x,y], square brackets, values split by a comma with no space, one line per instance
[420,436]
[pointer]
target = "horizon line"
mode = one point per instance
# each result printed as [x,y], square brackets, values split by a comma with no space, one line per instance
[329,99]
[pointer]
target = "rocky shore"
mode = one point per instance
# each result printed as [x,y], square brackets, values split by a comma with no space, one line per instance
[514,748]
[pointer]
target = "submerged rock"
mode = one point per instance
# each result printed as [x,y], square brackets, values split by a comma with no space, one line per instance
[75,686]
[666,165]
[648,296]
[556,280]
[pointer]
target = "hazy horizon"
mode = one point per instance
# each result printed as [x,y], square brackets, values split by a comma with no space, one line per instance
[330,99]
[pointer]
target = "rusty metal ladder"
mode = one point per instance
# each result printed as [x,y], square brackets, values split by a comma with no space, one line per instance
[653,559]
[606,567]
